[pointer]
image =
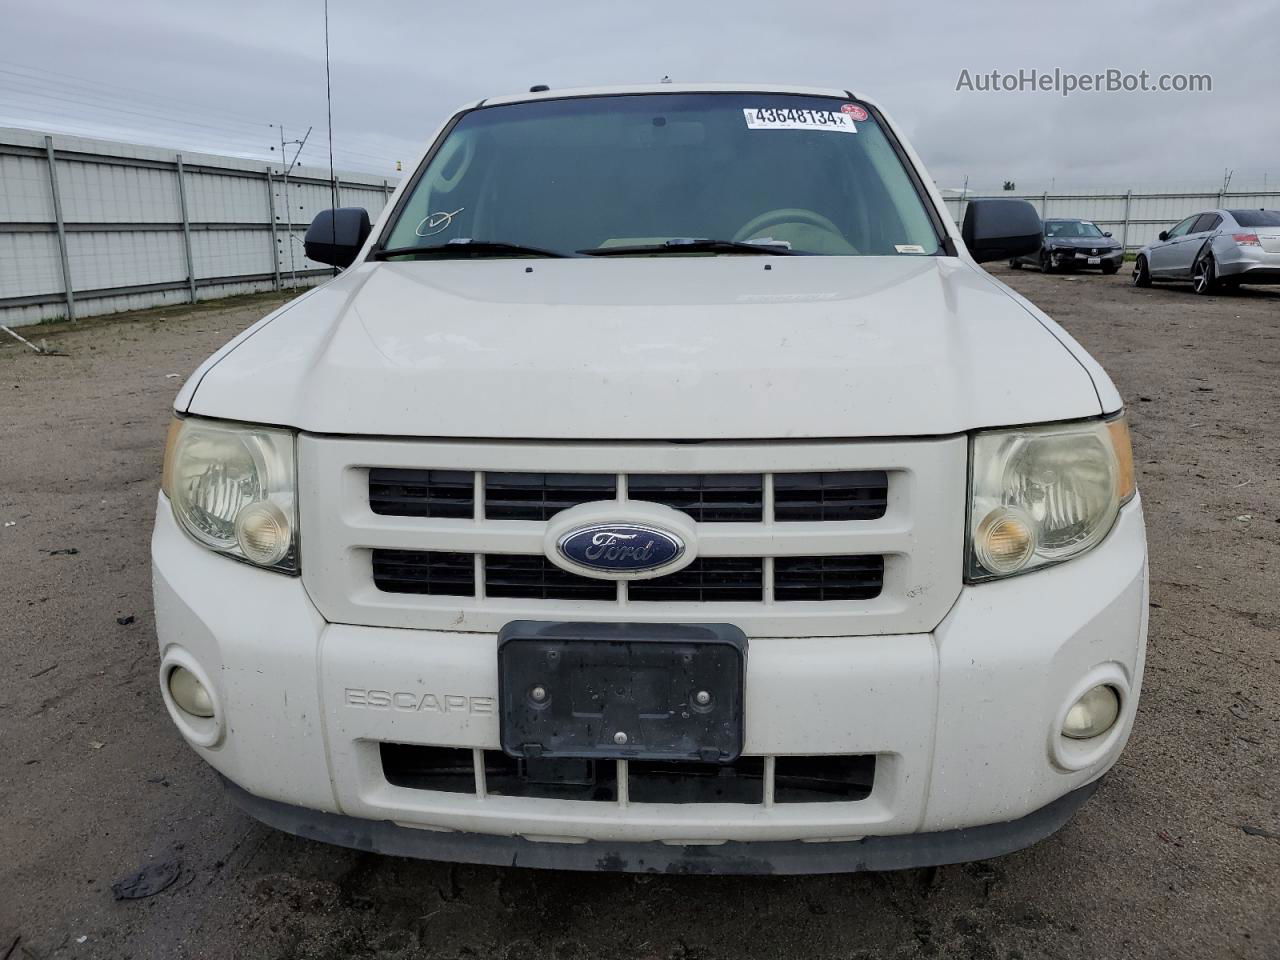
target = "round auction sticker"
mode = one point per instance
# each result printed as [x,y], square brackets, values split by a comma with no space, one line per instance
[854,111]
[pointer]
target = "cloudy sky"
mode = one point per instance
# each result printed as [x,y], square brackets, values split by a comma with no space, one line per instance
[213,76]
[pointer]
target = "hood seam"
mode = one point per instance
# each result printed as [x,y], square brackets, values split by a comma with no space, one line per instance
[1049,330]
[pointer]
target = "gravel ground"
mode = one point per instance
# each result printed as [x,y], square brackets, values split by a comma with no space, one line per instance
[1178,854]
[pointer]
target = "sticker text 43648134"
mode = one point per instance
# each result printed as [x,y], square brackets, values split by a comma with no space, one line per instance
[802,118]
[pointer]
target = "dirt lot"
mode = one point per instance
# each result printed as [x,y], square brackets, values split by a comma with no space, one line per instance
[1177,855]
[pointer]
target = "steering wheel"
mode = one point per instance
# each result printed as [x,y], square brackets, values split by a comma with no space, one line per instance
[778,217]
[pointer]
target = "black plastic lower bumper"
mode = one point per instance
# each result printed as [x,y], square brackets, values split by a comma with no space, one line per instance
[1249,274]
[792,857]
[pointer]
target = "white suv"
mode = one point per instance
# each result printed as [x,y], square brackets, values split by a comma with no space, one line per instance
[662,485]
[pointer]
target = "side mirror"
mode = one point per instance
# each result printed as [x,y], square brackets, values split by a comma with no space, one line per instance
[1000,229]
[336,236]
[1164,234]
[1106,233]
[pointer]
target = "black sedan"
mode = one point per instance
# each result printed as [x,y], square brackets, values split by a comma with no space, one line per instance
[1071,244]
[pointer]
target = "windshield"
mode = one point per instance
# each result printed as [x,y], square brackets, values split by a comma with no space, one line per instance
[1070,228]
[784,174]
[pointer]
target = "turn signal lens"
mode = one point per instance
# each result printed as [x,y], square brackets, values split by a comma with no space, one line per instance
[189,693]
[1126,485]
[1005,541]
[1093,714]
[262,530]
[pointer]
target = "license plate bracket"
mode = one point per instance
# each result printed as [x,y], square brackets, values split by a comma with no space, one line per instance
[627,691]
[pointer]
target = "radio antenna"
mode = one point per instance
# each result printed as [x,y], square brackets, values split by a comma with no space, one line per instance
[328,96]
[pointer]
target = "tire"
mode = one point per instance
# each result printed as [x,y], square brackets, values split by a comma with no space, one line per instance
[1015,265]
[1141,274]
[1046,266]
[1204,276]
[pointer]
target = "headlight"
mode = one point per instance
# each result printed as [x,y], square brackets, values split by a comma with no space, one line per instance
[233,489]
[1041,495]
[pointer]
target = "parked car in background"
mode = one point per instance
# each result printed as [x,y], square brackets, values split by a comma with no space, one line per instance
[1070,244]
[1214,250]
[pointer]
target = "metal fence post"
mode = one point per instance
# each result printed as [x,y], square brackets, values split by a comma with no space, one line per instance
[1044,205]
[1124,233]
[275,237]
[62,230]
[186,228]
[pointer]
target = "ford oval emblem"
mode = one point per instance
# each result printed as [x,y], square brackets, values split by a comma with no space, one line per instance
[621,547]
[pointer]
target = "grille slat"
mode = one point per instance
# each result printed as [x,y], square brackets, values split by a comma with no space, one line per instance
[537,578]
[796,779]
[705,580]
[708,498]
[831,496]
[424,571]
[827,578]
[395,492]
[540,496]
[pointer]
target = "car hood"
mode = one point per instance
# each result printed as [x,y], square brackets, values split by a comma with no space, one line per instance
[730,347]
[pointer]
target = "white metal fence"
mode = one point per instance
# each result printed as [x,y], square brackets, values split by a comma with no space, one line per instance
[1134,217]
[91,227]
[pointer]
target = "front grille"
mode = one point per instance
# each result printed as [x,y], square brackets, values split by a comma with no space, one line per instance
[707,497]
[818,779]
[803,538]
[705,580]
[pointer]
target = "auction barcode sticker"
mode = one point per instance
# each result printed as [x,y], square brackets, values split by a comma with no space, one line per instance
[791,118]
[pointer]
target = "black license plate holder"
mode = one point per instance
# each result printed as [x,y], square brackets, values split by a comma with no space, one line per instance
[625,691]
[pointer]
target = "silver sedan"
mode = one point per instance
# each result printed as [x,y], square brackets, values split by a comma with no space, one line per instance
[1214,249]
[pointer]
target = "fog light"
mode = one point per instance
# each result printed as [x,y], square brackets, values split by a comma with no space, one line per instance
[262,530]
[1093,714]
[1005,541]
[189,693]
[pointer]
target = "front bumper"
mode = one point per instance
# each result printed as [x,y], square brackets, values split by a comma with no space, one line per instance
[903,852]
[963,720]
[1080,258]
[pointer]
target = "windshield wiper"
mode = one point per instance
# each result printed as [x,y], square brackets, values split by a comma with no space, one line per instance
[464,249]
[681,245]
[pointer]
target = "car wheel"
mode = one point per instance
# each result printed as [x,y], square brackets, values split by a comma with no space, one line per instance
[1141,275]
[1046,266]
[1015,265]
[1204,276]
